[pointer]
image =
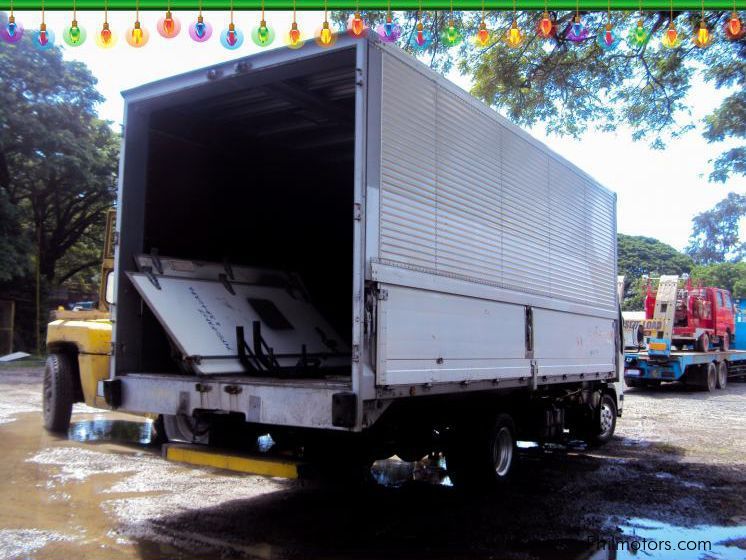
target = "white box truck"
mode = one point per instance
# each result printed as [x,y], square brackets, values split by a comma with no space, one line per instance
[341,248]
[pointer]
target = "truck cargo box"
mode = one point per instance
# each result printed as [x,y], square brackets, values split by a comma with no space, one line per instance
[447,250]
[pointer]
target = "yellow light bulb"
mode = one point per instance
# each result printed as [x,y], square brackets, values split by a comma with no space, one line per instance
[326,34]
[514,37]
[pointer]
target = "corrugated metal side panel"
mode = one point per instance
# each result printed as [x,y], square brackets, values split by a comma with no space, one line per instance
[465,195]
[468,212]
[407,166]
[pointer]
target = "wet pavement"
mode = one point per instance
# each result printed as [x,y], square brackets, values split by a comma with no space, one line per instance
[674,479]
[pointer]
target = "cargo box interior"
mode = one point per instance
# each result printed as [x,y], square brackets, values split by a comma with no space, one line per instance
[258,170]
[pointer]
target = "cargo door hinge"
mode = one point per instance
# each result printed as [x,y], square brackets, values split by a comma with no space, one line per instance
[357,212]
[534,375]
[355,352]
[382,295]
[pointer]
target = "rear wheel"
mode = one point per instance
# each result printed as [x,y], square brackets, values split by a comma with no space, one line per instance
[603,423]
[185,429]
[483,456]
[708,379]
[722,377]
[725,342]
[703,343]
[58,392]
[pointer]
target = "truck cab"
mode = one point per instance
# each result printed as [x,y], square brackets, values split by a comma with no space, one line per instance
[704,317]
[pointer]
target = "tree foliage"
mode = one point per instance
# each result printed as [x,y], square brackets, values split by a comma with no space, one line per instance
[731,276]
[715,234]
[638,256]
[570,88]
[58,164]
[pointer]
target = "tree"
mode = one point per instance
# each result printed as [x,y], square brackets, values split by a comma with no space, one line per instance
[61,160]
[715,234]
[638,256]
[570,88]
[58,161]
[731,276]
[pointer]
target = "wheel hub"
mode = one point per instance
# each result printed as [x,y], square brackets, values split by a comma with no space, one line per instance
[607,419]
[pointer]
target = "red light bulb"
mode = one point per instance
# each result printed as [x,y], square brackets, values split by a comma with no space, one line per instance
[546,26]
[357,24]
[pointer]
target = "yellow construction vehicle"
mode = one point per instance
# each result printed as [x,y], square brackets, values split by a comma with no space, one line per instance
[79,348]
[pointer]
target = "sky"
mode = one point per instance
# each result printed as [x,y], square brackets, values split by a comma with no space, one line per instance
[658,192]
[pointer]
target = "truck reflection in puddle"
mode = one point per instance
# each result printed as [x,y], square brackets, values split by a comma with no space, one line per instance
[117,431]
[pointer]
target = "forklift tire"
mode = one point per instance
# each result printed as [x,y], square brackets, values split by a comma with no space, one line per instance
[604,422]
[722,379]
[483,457]
[58,392]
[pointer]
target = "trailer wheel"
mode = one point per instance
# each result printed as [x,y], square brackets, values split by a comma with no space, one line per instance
[185,429]
[604,422]
[708,377]
[483,457]
[703,343]
[722,379]
[58,392]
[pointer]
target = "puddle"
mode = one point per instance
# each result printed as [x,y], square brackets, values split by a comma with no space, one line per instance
[646,538]
[117,431]
[394,472]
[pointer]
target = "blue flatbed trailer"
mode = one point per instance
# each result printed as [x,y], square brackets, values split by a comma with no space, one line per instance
[641,368]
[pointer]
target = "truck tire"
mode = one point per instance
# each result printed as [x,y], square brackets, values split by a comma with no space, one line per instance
[722,378]
[703,343]
[725,342]
[709,376]
[482,457]
[185,429]
[604,422]
[58,392]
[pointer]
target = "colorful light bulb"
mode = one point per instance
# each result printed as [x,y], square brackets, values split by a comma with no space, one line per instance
[734,29]
[200,31]
[607,38]
[231,38]
[671,39]
[137,36]
[389,31]
[702,38]
[578,32]
[105,38]
[74,35]
[294,39]
[451,35]
[356,25]
[514,37]
[43,39]
[483,35]
[421,38]
[545,28]
[262,34]
[638,35]
[12,31]
[325,37]
[168,26]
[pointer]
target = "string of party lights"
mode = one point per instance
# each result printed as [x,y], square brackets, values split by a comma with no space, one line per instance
[608,38]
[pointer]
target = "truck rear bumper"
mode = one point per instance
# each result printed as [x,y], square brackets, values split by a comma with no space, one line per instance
[302,403]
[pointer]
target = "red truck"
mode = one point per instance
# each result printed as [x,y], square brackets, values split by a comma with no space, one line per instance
[704,317]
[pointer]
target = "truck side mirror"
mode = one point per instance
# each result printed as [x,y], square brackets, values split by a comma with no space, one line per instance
[110,287]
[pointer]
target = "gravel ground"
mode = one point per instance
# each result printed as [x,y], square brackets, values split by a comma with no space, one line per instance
[674,470]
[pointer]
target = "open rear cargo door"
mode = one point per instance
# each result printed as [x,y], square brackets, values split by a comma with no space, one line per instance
[223,326]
